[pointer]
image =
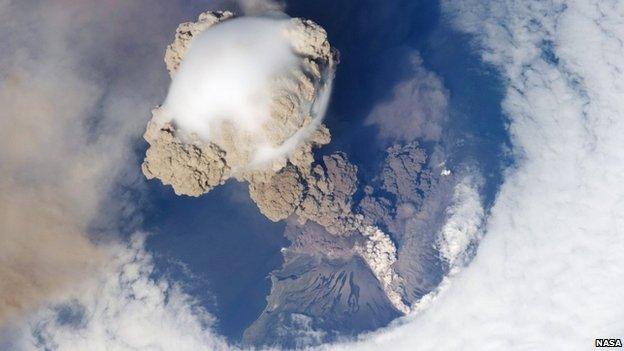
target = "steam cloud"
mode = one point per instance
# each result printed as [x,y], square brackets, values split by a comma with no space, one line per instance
[225,79]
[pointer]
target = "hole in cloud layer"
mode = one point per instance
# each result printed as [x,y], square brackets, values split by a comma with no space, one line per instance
[126,306]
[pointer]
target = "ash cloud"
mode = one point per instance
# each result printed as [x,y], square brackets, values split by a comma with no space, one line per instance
[194,149]
[46,189]
[256,107]
[417,109]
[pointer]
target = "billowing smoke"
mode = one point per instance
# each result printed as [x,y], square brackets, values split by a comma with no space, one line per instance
[248,96]
[247,101]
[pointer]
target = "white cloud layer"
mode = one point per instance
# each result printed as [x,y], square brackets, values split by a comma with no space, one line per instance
[547,274]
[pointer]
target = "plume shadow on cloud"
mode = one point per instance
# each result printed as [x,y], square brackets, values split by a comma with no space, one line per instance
[43,249]
[75,94]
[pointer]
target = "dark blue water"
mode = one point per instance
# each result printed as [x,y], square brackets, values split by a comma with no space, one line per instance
[477,129]
[223,248]
[376,40]
[220,247]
